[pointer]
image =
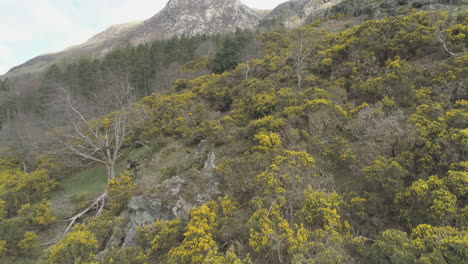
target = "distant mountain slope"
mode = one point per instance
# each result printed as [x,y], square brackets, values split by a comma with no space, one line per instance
[108,37]
[188,17]
[179,17]
[295,12]
[96,46]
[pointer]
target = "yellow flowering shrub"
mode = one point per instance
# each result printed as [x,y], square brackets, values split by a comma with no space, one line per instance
[267,141]
[287,173]
[3,248]
[120,191]
[198,243]
[28,241]
[427,202]
[77,247]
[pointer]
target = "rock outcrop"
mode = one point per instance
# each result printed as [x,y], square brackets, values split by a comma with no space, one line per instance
[143,210]
[174,198]
[294,13]
[190,18]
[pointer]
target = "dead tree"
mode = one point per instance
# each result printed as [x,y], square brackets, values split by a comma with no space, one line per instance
[20,136]
[244,70]
[95,140]
[441,38]
[94,135]
[301,50]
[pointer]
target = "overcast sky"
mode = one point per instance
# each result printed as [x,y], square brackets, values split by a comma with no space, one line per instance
[32,27]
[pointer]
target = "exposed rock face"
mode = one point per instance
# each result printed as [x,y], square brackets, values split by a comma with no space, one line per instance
[295,12]
[179,17]
[143,211]
[182,196]
[190,18]
[174,199]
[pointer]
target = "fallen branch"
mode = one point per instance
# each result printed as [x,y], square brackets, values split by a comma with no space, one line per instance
[97,204]
[362,237]
[440,35]
[444,45]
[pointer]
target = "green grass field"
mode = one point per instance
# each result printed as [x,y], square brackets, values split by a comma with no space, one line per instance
[91,180]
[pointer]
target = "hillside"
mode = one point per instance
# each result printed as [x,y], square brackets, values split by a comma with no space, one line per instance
[294,13]
[341,141]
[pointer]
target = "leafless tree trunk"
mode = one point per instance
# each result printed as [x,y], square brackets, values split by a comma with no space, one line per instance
[301,50]
[95,140]
[244,69]
[20,135]
[95,135]
[97,204]
[253,50]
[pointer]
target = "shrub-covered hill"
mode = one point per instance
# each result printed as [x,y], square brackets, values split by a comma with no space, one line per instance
[333,147]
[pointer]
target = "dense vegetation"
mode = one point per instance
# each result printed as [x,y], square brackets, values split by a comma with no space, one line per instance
[339,147]
[140,63]
[148,68]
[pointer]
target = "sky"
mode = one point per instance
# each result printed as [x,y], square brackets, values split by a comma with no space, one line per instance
[29,28]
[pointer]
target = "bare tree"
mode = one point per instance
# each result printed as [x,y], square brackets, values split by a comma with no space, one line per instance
[302,48]
[14,101]
[20,135]
[253,50]
[95,139]
[244,69]
[166,77]
[381,134]
[206,48]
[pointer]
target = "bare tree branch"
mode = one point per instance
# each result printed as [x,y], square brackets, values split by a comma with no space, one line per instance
[95,139]
[302,48]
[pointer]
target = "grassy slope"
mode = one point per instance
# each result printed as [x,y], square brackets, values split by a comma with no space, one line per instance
[91,180]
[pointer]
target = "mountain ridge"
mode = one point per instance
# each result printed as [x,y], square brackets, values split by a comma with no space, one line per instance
[294,13]
[185,17]
[177,18]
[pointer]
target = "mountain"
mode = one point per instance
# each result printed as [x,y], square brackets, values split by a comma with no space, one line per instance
[97,45]
[177,18]
[107,38]
[295,12]
[186,17]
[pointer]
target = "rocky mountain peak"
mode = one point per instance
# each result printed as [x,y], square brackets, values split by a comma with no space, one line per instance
[188,17]
[181,4]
